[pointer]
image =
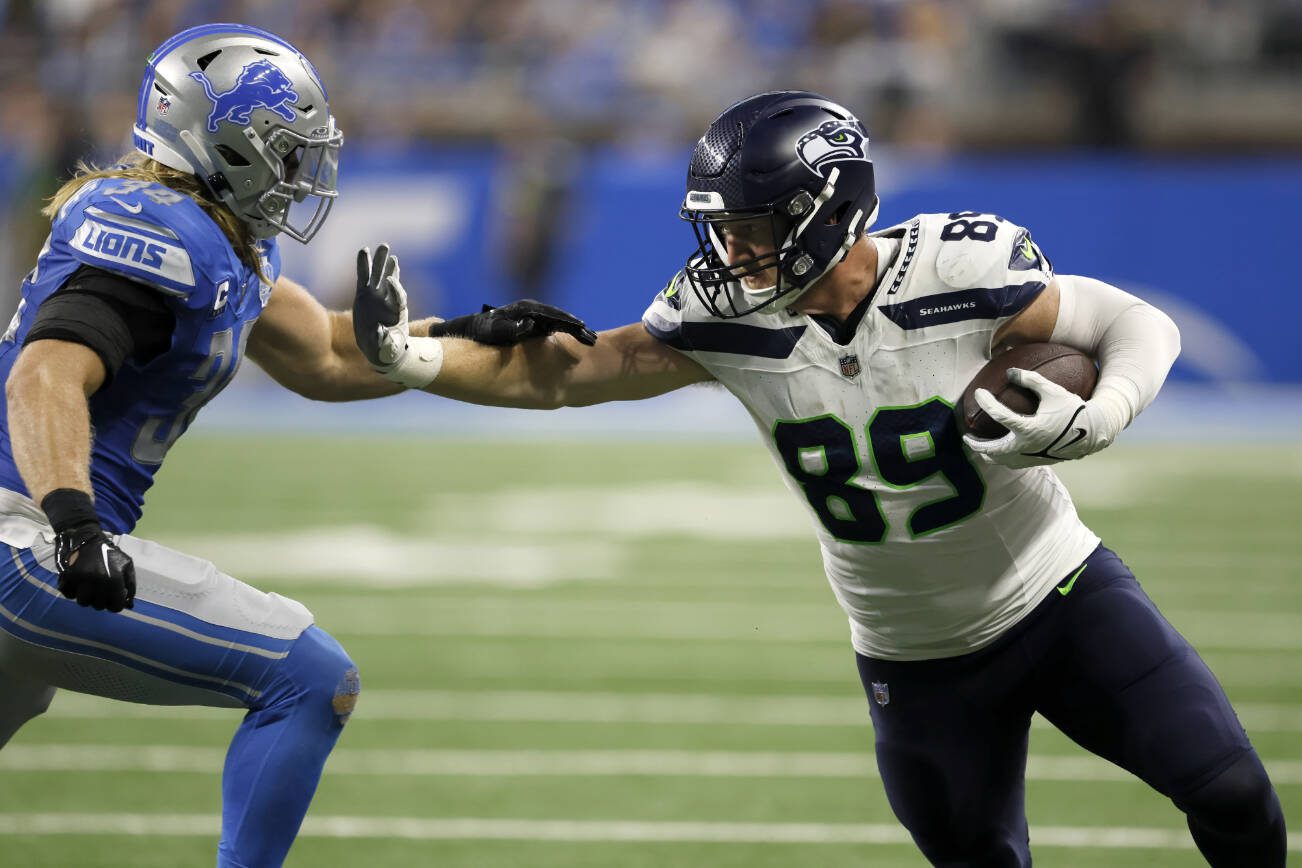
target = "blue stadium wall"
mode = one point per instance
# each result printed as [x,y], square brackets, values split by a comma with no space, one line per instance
[1208,240]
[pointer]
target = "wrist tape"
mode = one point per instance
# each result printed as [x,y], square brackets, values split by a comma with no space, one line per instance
[69,508]
[419,363]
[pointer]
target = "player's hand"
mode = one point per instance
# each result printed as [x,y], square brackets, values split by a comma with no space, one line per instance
[1063,427]
[92,570]
[380,323]
[379,308]
[515,322]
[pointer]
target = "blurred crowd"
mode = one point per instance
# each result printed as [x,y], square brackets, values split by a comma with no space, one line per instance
[543,76]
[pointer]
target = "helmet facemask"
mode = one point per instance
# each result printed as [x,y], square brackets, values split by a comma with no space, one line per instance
[722,285]
[309,172]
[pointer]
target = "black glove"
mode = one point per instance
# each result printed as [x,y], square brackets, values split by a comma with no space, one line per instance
[92,570]
[513,323]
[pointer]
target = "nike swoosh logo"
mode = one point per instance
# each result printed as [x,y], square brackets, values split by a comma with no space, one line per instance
[134,209]
[1066,589]
[1080,435]
[1047,452]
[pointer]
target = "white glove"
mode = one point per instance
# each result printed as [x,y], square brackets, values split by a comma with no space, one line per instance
[380,324]
[1064,426]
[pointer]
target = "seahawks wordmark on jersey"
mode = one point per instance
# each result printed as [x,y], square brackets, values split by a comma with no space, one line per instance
[931,550]
[155,236]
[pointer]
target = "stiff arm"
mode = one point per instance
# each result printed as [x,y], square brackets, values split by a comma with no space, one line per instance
[626,364]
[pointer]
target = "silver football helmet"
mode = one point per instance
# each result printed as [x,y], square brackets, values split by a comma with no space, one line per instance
[246,112]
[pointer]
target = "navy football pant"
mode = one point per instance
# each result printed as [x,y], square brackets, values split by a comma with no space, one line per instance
[1101,664]
[195,637]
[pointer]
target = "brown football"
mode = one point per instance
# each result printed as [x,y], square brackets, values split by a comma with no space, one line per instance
[1068,367]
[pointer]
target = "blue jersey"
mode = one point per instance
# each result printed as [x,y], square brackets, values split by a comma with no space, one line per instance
[155,236]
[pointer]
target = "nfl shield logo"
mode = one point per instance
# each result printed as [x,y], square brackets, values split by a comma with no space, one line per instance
[881,693]
[163,105]
[850,369]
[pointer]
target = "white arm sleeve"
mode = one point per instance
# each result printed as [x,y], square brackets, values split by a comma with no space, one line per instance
[1135,343]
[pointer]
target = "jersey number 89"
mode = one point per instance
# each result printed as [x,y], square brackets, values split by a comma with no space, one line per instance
[906,445]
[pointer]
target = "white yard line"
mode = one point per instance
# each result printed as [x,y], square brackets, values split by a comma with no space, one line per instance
[546,763]
[608,831]
[366,556]
[525,706]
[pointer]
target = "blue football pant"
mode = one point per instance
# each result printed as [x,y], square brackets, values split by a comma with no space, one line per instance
[195,637]
[1102,665]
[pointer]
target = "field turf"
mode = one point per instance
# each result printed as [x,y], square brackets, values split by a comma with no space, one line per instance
[625,654]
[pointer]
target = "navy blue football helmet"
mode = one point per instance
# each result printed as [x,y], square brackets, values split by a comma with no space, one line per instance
[795,159]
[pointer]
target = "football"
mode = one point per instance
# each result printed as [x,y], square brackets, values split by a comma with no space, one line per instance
[1068,367]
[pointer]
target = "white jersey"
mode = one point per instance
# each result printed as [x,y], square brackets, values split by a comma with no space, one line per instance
[932,551]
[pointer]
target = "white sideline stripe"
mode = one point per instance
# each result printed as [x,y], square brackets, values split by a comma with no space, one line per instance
[527,706]
[617,831]
[547,763]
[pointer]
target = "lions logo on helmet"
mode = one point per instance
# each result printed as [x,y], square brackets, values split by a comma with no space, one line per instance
[832,142]
[261,84]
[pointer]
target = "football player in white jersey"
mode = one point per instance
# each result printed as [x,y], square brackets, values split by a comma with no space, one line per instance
[975,595]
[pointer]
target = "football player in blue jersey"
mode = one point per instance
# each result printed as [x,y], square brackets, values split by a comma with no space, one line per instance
[976,596]
[159,274]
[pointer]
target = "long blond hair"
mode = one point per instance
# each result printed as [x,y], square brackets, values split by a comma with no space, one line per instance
[137,167]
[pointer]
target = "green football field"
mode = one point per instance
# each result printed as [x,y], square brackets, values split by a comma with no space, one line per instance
[625,654]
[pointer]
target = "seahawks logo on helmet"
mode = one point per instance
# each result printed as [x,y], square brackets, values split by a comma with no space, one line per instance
[832,142]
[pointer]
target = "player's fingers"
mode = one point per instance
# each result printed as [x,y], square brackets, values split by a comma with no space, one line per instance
[379,267]
[363,267]
[395,297]
[86,596]
[1035,381]
[555,313]
[581,333]
[575,329]
[997,446]
[129,580]
[998,411]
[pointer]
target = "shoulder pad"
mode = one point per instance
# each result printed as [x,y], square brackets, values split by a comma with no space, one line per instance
[675,291]
[979,249]
[146,232]
[1027,255]
[664,317]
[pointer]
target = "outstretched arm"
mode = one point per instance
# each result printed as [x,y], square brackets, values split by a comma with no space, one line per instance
[566,366]
[625,364]
[310,350]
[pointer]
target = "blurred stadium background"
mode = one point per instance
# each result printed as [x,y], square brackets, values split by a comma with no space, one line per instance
[602,636]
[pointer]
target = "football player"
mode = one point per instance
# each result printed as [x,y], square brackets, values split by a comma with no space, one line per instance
[975,595]
[159,274]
